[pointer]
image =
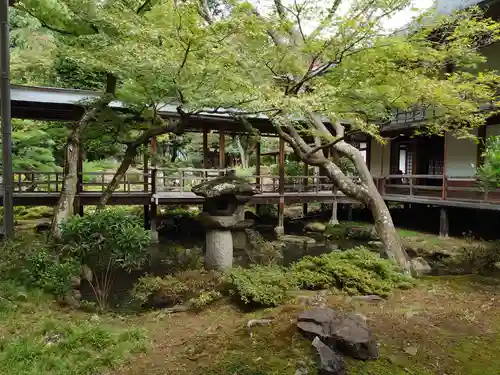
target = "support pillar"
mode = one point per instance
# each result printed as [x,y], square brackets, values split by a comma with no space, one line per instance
[205,148]
[334,219]
[280,229]
[305,182]
[257,173]
[153,208]
[145,177]
[222,150]
[444,225]
[5,105]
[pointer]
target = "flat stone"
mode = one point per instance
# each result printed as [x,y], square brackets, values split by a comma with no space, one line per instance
[315,226]
[223,186]
[331,363]
[349,334]
[420,267]
[368,298]
[301,240]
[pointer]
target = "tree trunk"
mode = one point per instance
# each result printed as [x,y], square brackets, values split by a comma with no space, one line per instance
[130,155]
[64,208]
[369,195]
[243,153]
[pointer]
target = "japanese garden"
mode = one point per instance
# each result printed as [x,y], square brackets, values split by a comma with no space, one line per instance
[250,187]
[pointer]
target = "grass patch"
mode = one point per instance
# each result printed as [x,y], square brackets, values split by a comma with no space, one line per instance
[38,338]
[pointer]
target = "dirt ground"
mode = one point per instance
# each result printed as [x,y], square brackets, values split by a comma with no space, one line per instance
[446,325]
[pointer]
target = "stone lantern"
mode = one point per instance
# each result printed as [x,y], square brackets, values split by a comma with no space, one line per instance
[223,212]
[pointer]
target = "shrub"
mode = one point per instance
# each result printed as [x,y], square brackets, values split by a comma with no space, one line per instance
[355,271]
[195,288]
[47,271]
[489,172]
[178,258]
[260,251]
[34,264]
[263,285]
[104,242]
[475,258]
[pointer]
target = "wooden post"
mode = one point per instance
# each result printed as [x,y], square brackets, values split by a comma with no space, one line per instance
[444,186]
[280,229]
[205,148]
[222,150]
[444,225]
[257,173]
[154,209]
[305,182]
[145,171]
[481,145]
[334,219]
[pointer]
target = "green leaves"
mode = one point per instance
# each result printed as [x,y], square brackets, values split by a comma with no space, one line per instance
[489,172]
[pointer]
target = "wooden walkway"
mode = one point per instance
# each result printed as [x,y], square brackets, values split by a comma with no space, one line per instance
[166,187]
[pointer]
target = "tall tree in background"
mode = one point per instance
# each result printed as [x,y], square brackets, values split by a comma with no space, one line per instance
[319,71]
[325,71]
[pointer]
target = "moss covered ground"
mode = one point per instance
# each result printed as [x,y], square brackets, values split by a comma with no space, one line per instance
[446,325]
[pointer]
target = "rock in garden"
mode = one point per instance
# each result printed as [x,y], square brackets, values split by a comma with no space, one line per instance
[346,334]
[375,245]
[75,282]
[299,240]
[420,267]
[331,363]
[371,298]
[315,227]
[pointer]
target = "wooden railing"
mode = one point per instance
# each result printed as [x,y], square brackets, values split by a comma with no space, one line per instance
[52,182]
[437,186]
[182,180]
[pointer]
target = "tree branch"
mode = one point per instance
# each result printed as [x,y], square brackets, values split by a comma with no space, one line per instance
[205,12]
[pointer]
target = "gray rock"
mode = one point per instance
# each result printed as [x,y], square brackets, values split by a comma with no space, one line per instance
[420,267]
[75,282]
[369,298]
[224,186]
[240,239]
[331,363]
[300,240]
[349,334]
[315,227]
[375,245]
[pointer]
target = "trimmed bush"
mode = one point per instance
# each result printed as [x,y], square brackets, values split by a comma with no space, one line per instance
[104,242]
[355,271]
[196,288]
[262,285]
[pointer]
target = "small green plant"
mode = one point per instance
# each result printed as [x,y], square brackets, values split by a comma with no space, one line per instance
[178,258]
[104,242]
[475,258]
[34,264]
[355,271]
[262,285]
[489,172]
[260,251]
[196,288]
[52,274]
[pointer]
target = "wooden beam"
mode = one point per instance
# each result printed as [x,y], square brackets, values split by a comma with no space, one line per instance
[258,180]
[280,229]
[444,186]
[305,182]
[222,150]
[205,148]
[444,226]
